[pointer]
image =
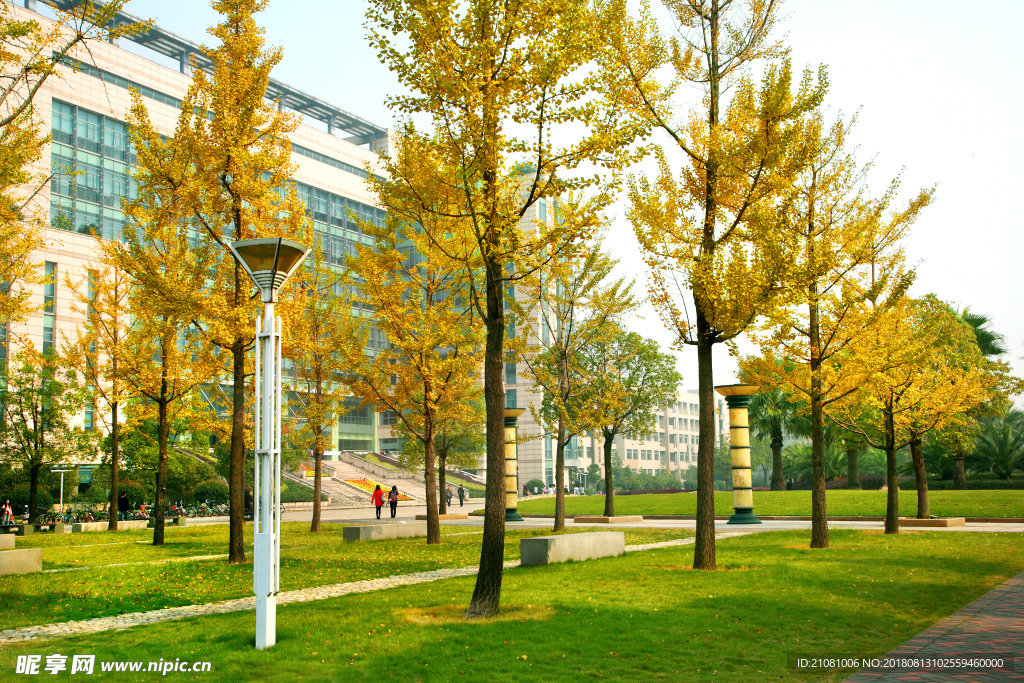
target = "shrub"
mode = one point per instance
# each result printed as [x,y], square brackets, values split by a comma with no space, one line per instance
[534,483]
[136,492]
[297,493]
[1016,484]
[868,482]
[672,489]
[212,490]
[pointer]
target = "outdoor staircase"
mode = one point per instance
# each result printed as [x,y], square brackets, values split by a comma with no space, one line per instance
[345,494]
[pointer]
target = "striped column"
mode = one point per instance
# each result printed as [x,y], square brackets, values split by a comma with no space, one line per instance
[511,466]
[737,396]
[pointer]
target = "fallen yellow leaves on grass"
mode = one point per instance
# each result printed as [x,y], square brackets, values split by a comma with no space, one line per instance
[456,614]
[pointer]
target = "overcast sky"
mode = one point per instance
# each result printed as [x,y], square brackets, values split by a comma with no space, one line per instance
[939,87]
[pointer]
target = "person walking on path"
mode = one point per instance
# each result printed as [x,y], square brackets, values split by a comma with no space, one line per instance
[7,514]
[462,495]
[378,500]
[448,495]
[393,499]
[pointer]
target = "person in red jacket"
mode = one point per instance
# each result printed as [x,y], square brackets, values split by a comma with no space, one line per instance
[378,499]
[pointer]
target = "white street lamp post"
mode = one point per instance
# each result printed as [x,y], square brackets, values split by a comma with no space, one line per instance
[61,488]
[269,262]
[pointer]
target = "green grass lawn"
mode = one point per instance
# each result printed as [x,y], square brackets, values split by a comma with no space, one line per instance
[839,502]
[640,617]
[143,582]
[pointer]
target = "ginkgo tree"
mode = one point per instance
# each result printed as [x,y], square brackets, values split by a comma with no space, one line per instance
[630,378]
[706,225]
[566,305]
[920,368]
[845,247]
[227,167]
[511,118]
[427,371]
[97,353]
[319,338]
[164,358]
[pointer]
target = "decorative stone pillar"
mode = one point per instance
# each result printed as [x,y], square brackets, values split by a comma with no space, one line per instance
[511,464]
[737,396]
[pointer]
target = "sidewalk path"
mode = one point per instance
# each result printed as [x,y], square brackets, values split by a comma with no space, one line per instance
[122,621]
[990,627]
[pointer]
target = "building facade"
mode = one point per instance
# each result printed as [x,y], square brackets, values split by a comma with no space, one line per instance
[91,158]
[670,450]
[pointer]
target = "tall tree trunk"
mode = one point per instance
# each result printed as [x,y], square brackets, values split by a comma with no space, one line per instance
[487,592]
[892,501]
[959,473]
[442,484]
[920,477]
[852,468]
[318,458]
[704,543]
[819,514]
[778,478]
[318,452]
[114,445]
[33,488]
[430,476]
[609,477]
[161,470]
[559,474]
[704,546]
[236,463]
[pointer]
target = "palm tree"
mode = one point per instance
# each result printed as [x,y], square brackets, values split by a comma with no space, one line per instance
[1000,446]
[772,414]
[992,345]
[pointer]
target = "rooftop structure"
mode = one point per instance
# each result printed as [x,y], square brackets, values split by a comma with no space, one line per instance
[339,122]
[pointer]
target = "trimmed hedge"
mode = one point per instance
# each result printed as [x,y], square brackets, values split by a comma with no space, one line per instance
[870,482]
[297,493]
[1015,484]
[634,493]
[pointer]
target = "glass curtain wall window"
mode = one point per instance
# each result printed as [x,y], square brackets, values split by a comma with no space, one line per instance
[49,300]
[90,158]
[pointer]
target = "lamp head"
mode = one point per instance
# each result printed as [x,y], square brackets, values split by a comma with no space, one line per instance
[269,261]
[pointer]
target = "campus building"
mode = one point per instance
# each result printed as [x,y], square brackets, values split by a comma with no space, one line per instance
[91,155]
[670,450]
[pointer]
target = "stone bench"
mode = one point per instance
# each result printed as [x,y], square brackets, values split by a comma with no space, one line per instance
[29,529]
[7,542]
[541,550]
[602,519]
[122,525]
[380,532]
[21,561]
[940,522]
[446,516]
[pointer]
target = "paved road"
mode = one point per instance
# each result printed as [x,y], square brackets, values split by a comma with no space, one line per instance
[991,627]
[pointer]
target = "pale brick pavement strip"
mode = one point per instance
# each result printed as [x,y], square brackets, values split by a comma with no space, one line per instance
[123,621]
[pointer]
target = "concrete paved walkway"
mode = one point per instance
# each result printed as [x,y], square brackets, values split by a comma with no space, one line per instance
[991,627]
